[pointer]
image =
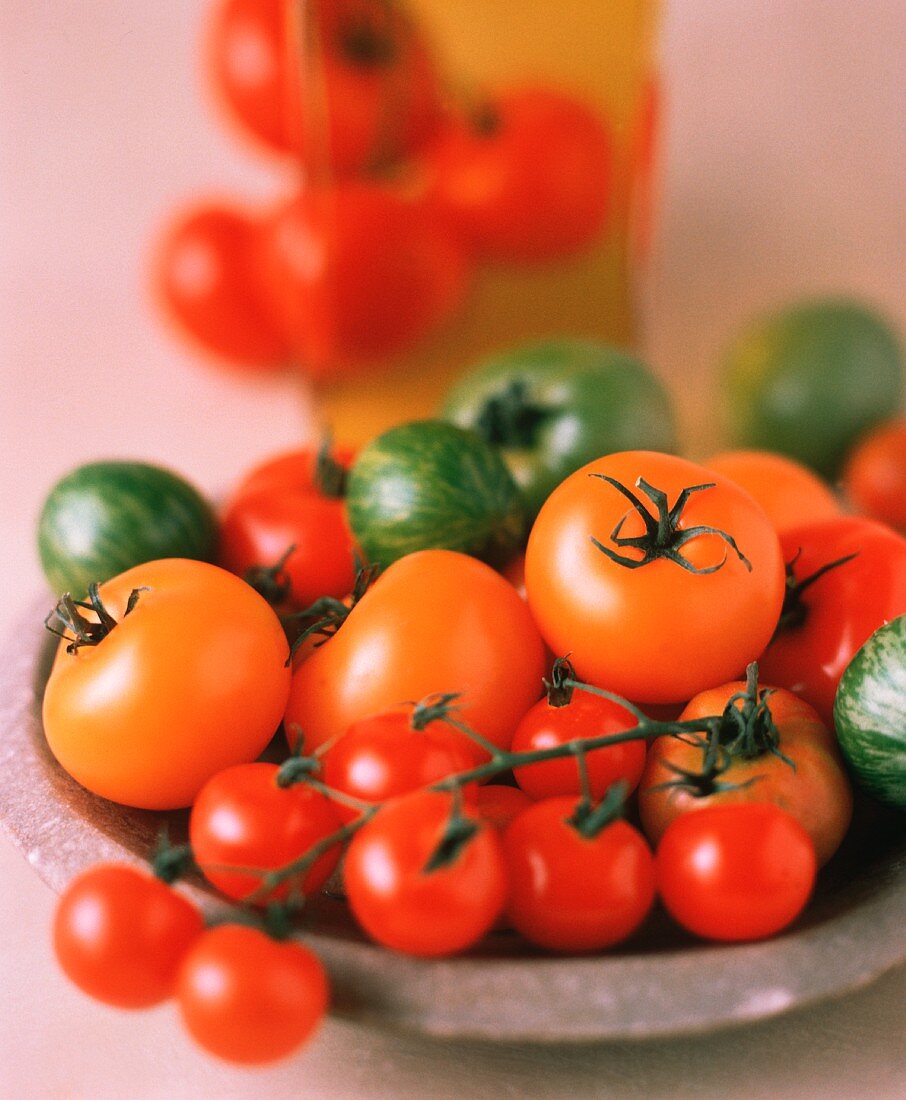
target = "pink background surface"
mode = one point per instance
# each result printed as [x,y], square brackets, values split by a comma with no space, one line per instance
[786,169]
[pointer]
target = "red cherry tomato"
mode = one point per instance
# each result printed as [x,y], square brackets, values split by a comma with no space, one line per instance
[120,935]
[206,280]
[836,613]
[243,818]
[875,474]
[739,872]
[403,905]
[528,179]
[249,999]
[499,805]
[385,756]
[366,62]
[569,892]
[549,724]
[358,273]
[293,500]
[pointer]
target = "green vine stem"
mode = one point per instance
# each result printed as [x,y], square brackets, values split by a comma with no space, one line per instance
[330,475]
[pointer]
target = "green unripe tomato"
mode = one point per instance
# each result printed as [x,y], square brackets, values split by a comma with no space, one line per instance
[808,380]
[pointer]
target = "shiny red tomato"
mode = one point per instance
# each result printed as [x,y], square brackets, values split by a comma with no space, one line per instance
[371,68]
[249,999]
[528,178]
[568,715]
[205,277]
[244,818]
[387,755]
[874,477]
[499,805]
[655,593]
[359,272]
[735,872]
[293,500]
[571,892]
[826,619]
[403,904]
[120,935]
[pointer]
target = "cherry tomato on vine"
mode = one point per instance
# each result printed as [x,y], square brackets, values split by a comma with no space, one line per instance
[391,754]
[658,577]
[206,280]
[372,69]
[568,714]
[789,492]
[405,903]
[294,500]
[829,615]
[250,999]
[874,477]
[120,935]
[735,872]
[570,891]
[359,272]
[527,178]
[189,681]
[810,784]
[435,621]
[242,817]
[498,804]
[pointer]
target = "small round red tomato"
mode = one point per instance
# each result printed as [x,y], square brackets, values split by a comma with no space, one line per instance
[436,621]
[244,818]
[372,69]
[566,715]
[120,935]
[813,787]
[293,500]
[189,681]
[249,999]
[570,891]
[528,178]
[404,903]
[391,754]
[658,577]
[789,492]
[735,872]
[205,278]
[498,804]
[874,477]
[827,616]
[359,272]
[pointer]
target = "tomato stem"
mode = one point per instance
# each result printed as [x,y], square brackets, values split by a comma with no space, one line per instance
[509,419]
[589,820]
[66,618]
[272,581]
[330,475]
[561,684]
[432,708]
[795,611]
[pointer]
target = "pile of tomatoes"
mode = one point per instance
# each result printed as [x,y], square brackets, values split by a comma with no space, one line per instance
[400,191]
[542,748]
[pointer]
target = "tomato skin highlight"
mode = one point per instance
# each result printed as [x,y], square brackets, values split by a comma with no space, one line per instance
[585,715]
[191,681]
[435,621]
[816,792]
[735,873]
[279,505]
[842,608]
[120,935]
[249,999]
[409,909]
[243,818]
[657,633]
[573,893]
[874,477]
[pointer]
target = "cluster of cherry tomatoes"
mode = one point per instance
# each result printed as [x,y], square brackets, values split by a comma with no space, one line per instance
[400,192]
[476,806]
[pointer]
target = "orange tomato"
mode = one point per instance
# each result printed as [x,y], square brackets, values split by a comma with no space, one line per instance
[874,477]
[653,630]
[788,491]
[436,621]
[189,682]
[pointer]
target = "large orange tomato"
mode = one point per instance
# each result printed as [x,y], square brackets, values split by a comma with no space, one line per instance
[436,621]
[659,577]
[814,788]
[189,681]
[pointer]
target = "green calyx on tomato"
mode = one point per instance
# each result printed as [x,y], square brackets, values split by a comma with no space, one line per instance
[559,688]
[553,407]
[431,485]
[66,614]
